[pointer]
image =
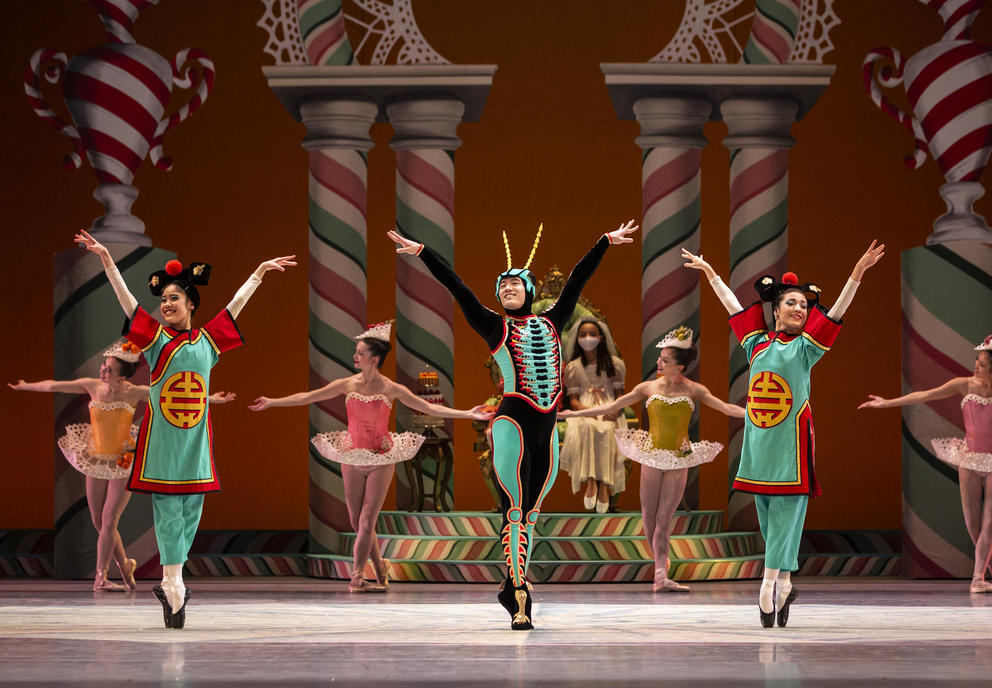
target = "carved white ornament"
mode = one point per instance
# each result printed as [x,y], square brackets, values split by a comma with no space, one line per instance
[712,25]
[387,25]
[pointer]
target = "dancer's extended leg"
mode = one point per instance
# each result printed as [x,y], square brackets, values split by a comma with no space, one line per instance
[669,496]
[96,497]
[117,497]
[977,510]
[365,493]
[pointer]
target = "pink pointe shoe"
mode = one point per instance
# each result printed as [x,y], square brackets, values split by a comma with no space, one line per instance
[127,573]
[101,584]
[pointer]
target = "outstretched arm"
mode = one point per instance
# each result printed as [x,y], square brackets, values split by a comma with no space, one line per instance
[328,391]
[958,385]
[79,386]
[124,296]
[248,288]
[632,397]
[870,257]
[583,270]
[722,291]
[415,403]
[484,321]
[701,393]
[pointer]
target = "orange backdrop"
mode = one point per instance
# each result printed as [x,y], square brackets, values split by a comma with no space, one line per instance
[549,148]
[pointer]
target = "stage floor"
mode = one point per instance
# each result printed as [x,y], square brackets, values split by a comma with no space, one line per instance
[294,631]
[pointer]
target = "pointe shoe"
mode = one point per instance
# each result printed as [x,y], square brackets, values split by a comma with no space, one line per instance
[101,584]
[668,585]
[179,618]
[602,507]
[980,586]
[783,612]
[359,584]
[384,580]
[522,619]
[127,573]
[166,607]
[767,618]
[589,501]
[175,593]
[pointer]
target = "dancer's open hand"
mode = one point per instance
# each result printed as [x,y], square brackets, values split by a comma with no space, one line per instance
[280,264]
[566,413]
[403,245]
[619,235]
[874,402]
[20,386]
[482,412]
[697,263]
[222,397]
[871,256]
[260,404]
[90,244]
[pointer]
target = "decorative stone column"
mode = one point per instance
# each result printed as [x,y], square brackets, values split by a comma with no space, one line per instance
[671,140]
[759,142]
[425,143]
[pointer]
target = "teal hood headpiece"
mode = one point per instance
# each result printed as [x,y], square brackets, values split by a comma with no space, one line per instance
[524,273]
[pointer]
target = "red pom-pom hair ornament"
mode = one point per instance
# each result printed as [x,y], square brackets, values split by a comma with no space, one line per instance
[173,267]
[790,278]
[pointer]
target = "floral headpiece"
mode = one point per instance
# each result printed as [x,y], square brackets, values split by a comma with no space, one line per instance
[378,331]
[679,338]
[186,279]
[986,344]
[124,350]
[769,288]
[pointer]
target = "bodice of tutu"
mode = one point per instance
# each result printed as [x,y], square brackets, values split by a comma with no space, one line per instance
[977,413]
[368,420]
[669,420]
[111,426]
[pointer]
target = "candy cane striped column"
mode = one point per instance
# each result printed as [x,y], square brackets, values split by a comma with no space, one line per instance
[425,142]
[338,141]
[87,319]
[322,27]
[671,139]
[773,32]
[758,139]
[939,333]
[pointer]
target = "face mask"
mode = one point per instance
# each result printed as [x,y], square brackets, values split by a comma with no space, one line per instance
[589,343]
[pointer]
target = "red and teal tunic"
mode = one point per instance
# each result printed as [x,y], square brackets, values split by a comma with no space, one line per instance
[777,452]
[174,453]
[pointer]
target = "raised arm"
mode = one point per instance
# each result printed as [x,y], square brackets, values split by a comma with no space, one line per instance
[415,403]
[722,291]
[700,393]
[124,296]
[870,257]
[248,288]
[632,397]
[958,385]
[83,385]
[328,391]
[583,270]
[484,321]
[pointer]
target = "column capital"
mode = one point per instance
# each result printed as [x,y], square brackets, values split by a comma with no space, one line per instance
[759,122]
[338,123]
[425,123]
[674,121]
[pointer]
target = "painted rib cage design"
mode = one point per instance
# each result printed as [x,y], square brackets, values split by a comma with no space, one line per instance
[537,359]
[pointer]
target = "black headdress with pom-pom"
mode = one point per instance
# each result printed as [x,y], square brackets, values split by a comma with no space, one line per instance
[186,279]
[769,288]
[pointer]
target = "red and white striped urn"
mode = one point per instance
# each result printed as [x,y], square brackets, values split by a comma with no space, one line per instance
[117,94]
[949,88]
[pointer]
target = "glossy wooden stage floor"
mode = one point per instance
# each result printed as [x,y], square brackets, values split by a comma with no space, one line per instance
[283,631]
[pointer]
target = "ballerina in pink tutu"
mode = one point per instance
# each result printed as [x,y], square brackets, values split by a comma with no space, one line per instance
[367,451]
[664,450]
[972,455]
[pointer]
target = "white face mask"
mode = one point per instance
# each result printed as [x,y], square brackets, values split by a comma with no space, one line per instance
[589,343]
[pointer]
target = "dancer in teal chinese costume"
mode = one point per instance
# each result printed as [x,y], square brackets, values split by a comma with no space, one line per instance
[174,459]
[527,348]
[777,453]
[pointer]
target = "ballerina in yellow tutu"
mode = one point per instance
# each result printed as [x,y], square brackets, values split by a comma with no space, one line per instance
[102,450]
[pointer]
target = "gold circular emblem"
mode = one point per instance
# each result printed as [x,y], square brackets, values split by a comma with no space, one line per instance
[184,399]
[769,399]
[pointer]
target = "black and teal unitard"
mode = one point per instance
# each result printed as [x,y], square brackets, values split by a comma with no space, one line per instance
[527,349]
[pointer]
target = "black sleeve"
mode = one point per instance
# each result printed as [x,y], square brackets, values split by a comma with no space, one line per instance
[561,311]
[488,324]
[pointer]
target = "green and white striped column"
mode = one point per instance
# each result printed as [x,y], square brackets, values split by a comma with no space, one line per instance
[87,319]
[322,28]
[759,142]
[671,140]
[425,142]
[337,141]
[940,329]
[773,32]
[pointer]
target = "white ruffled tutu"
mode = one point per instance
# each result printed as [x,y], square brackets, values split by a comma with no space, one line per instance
[638,445]
[397,447]
[77,445]
[955,451]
